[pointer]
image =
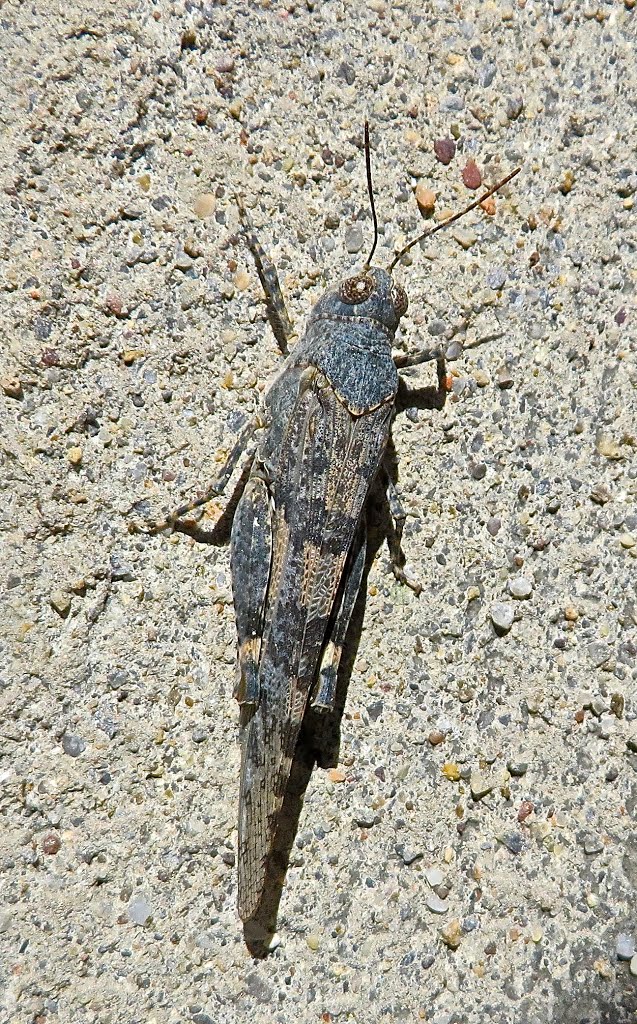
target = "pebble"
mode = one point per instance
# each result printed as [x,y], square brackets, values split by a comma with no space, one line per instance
[51,843]
[625,946]
[451,771]
[436,737]
[608,447]
[445,150]
[627,540]
[513,842]
[517,768]
[436,328]
[471,175]
[600,494]
[502,615]
[521,587]
[366,817]
[571,614]
[425,198]
[504,378]
[139,911]
[598,652]
[592,844]
[436,905]
[407,854]
[354,238]
[496,279]
[434,876]
[205,205]
[74,455]
[493,526]
[515,106]
[451,934]
[11,386]
[60,601]
[633,966]
[464,238]
[480,786]
[313,941]
[73,745]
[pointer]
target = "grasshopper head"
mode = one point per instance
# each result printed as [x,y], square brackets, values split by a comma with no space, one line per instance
[370,295]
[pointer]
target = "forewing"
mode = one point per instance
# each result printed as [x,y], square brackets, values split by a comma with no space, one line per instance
[325,466]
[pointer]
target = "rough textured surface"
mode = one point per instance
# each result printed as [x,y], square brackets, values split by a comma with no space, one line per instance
[133,349]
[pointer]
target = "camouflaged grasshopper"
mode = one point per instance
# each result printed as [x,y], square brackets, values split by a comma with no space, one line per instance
[298,544]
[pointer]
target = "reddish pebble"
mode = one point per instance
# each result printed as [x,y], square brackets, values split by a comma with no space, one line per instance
[526,808]
[445,150]
[436,737]
[50,357]
[201,115]
[51,843]
[580,716]
[471,175]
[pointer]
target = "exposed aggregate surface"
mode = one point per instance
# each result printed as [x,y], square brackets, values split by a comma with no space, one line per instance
[473,858]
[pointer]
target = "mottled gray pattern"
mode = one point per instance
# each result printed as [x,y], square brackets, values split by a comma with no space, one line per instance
[331,410]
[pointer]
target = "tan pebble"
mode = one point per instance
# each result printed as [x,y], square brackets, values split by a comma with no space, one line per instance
[451,771]
[205,205]
[627,540]
[74,455]
[435,738]
[465,239]
[336,775]
[313,941]
[536,933]
[241,280]
[479,970]
[11,386]
[144,182]
[571,614]
[603,968]
[130,355]
[489,206]
[60,601]
[451,934]
[481,378]
[608,447]
[473,593]
[425,198]
[567,183]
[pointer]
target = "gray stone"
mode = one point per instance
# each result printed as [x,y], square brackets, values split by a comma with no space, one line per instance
[625,946]
[73,745]
[521,587]
[140,911]
[435,904]
[502,616]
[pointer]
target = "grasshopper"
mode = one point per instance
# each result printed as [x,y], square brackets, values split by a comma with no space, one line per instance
[298,542]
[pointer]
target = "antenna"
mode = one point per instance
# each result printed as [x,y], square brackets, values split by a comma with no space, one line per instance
[370,191]
[450,220]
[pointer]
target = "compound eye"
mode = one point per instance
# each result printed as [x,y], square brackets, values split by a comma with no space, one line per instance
[356,289]
[399,299]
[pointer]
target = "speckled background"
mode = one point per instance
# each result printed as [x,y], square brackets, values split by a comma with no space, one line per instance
[473,858]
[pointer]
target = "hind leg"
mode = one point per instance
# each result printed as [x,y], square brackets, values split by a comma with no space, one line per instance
[250,560]
[275,303]
[325,688]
